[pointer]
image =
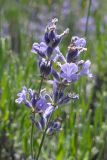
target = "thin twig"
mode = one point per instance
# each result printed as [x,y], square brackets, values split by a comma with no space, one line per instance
[87,20]
[32,139]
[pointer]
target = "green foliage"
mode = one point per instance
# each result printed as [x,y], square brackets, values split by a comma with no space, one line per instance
[84,122]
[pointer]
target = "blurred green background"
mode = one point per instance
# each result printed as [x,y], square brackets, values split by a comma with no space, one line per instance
[23,22]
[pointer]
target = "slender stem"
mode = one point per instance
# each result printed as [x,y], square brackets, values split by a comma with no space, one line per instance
[33,156]
[43,138]
[42,78]
[32,129]
[44,134]
[32,141]
[88,15]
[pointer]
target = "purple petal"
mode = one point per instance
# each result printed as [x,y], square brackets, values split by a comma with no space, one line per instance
[21,96]
[48,111]
[69,68]
[68,72]
[35,47]
[40,49]
[54,126]
[43,122]
[80,42]
[19,100]
[41,105]
[85,69]
[55,74]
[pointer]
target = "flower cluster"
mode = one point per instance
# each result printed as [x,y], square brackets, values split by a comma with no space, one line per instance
[63,70]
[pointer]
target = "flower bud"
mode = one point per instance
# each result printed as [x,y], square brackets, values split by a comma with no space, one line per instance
[45,67]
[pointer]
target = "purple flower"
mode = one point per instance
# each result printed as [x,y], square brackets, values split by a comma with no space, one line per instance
[21,96]
[29,98]
[57,55]
[54,126]
[85,69]
[41,49]
[72,54]
[51,37]
[32,94]
[76,46]
[78,42]
[48,110]
[55,74]
[45,67]
[69,72]
[58,90]
[50,33]
[41,105]
[66,99]
[47,52]
[50,50]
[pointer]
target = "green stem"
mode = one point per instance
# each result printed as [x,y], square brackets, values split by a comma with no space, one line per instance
[40,85]
[32,141]
[44,134]
[43,138]
[88,15]
[32,129]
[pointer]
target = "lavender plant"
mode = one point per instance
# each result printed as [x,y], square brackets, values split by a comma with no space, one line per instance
[62,72]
